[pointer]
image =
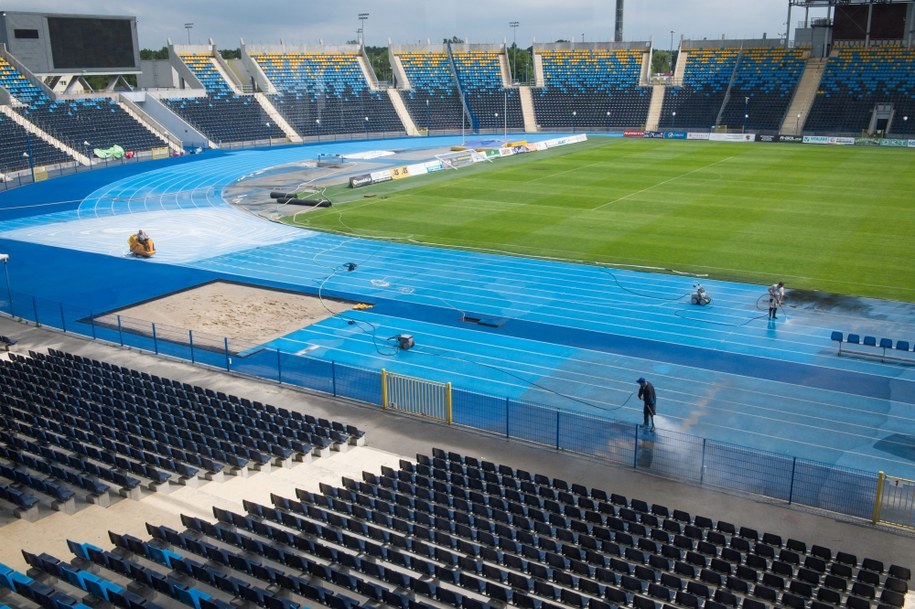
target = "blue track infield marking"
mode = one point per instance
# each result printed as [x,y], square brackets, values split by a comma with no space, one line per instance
[558,294]
[855,383]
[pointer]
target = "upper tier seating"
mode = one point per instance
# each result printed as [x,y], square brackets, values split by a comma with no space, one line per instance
[99,120]
[768,77]
[705,83]
[222,115]
[327,92]
[492,105]
[593,89]
[20,87]
[858,79]
[433,99]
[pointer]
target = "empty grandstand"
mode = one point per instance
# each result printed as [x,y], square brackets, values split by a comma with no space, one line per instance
[847,85]
[591,88]
[222,114]
[327,91]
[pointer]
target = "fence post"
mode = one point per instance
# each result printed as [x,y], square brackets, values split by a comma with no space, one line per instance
[35,308]
[384,387]
[702,463]
[92,324]
[120,332]
[635,448]
[190,341]
[507,424]
[155,339]
[878,499]
[225,340]
[279,368]
[557,428]
[791,488]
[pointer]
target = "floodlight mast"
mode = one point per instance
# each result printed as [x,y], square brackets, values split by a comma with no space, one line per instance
[514,26]
[362,18]
[618,34]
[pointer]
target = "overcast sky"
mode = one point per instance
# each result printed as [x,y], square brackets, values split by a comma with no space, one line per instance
[411,21]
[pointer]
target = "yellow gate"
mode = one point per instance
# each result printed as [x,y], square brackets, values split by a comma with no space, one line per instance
[416,396]
[895,502]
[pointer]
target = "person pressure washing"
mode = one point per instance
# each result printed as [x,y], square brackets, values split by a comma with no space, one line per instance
[776,298]
[649,399]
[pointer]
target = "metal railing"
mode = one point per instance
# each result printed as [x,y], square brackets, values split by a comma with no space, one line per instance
[895,501]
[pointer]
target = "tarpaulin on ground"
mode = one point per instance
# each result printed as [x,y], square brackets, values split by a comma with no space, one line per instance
[115,152]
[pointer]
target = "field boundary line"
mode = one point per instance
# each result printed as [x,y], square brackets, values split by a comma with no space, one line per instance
[683,175]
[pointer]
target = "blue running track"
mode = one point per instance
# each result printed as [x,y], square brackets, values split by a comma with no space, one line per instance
[569,336]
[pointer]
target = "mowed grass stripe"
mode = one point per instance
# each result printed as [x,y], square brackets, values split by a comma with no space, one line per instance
[835,219]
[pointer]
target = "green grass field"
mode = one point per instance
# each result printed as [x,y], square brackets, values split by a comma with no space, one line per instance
[835,219]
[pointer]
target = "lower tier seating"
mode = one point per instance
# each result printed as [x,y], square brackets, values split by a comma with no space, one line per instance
[454,531]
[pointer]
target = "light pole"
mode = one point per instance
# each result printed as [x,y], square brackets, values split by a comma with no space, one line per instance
[608,121]
[88,152]
[427,117]
[574,120]
[318,123]
[797,124]
[514,26]
[495,122]
[9,292]
[28,159]
[673,121]
[362,18]
[28,153]
[269,137]
[505,115]
[746,113]
[905,122]
[463,116]
[188,27]
[672,32]
[365,124]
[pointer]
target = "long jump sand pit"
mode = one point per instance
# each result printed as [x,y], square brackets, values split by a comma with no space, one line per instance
[246,315]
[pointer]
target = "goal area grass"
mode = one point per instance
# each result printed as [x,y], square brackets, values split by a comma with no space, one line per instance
[837,219]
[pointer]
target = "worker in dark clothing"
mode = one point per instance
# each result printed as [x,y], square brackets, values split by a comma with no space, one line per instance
[650,400]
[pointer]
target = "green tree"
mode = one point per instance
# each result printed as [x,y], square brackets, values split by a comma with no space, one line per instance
[378,58]
[150,54]
[663,62]
[521,64]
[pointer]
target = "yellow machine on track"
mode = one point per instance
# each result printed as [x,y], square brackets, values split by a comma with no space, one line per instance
[141,245]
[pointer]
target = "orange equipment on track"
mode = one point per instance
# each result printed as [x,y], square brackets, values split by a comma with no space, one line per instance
[147,250]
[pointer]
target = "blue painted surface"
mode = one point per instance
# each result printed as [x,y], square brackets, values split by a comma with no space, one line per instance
[569,336]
